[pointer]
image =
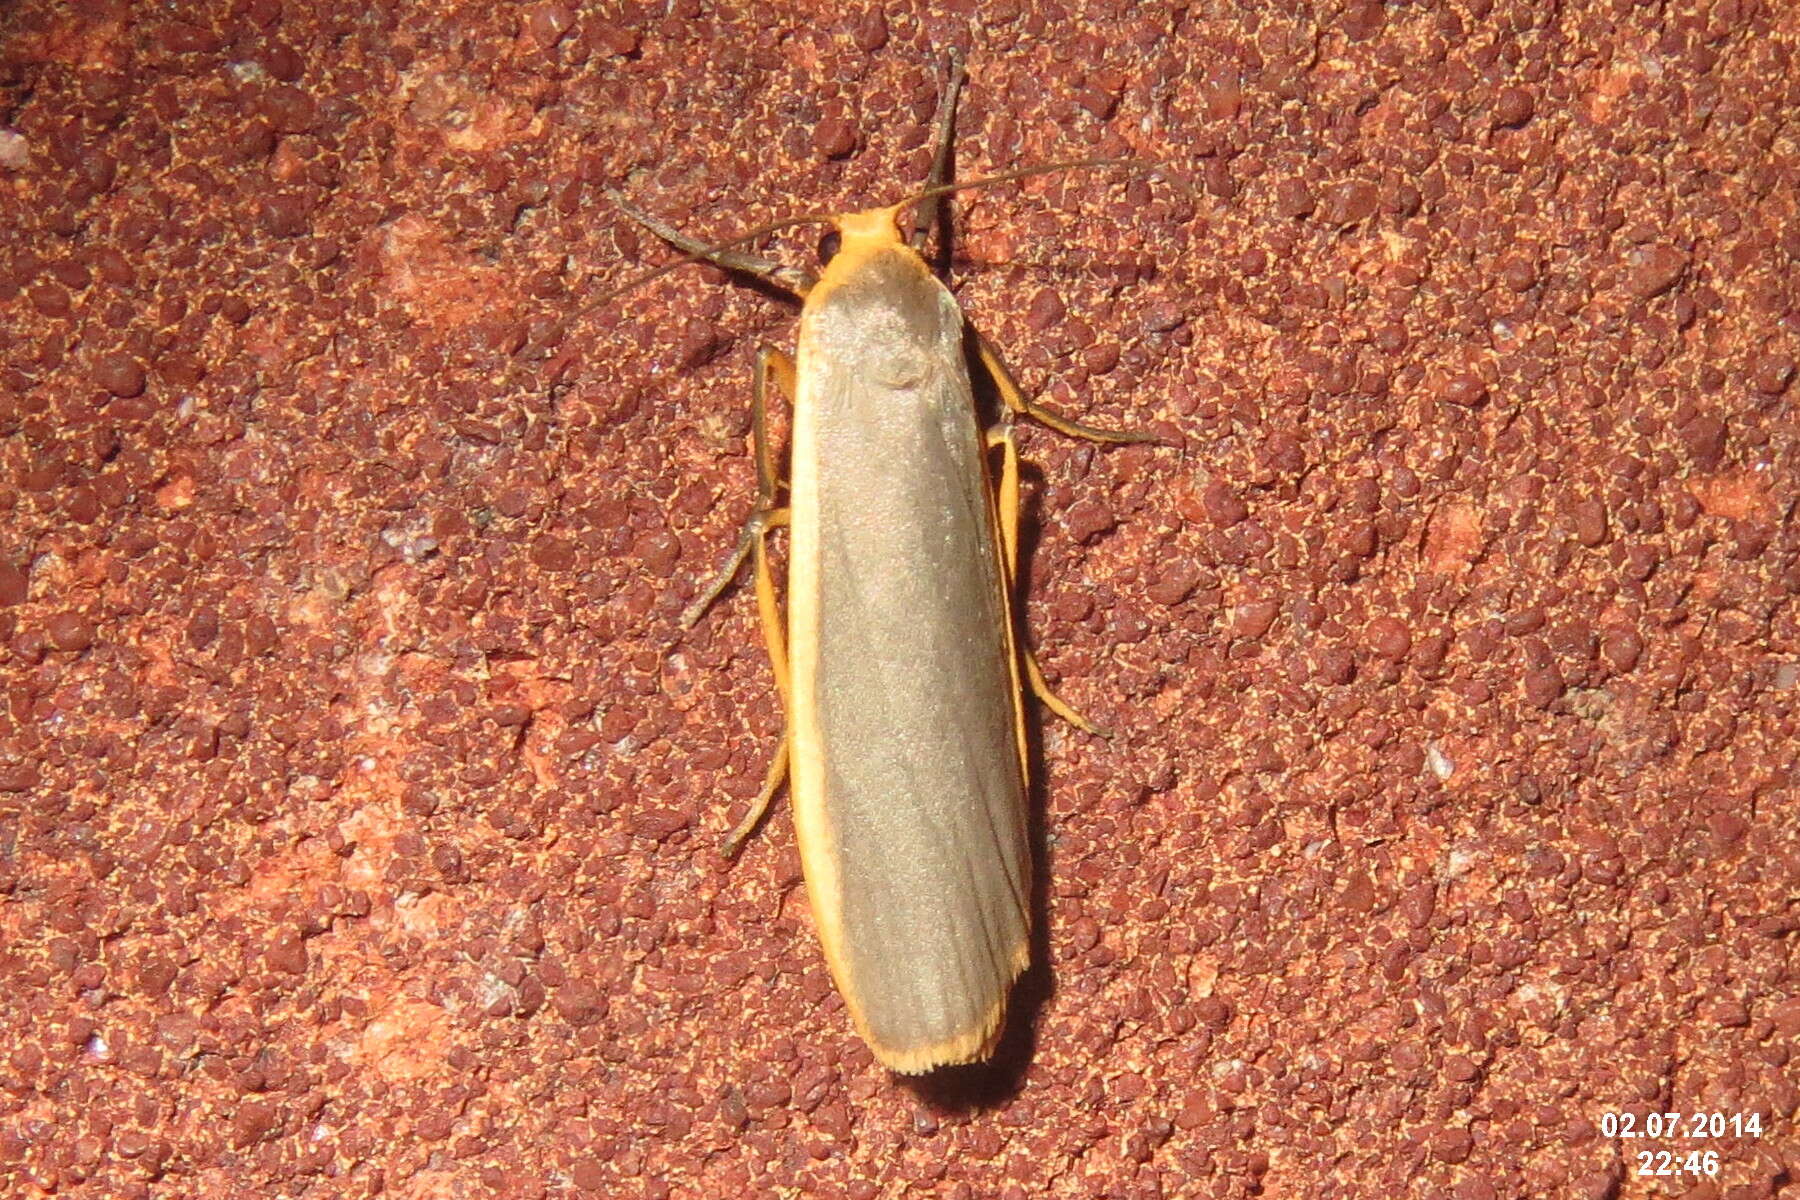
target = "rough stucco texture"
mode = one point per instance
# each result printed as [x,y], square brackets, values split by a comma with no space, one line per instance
[360,790]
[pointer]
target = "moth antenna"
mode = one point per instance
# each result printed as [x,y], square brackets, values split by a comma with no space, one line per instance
[1073,164]
[707,253]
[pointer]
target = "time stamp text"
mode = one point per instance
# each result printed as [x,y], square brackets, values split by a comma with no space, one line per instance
[1632,1129]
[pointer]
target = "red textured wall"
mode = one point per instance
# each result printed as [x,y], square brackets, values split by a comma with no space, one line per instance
[359,789]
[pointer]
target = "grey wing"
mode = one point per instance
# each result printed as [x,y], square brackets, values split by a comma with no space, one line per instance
[916,707]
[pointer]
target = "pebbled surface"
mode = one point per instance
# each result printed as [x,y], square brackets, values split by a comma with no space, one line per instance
[359,790]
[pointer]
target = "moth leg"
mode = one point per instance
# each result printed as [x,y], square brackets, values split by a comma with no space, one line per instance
[1017,401]
[1006,519]
[1041,689]
[1008,498]
[1008,504]
[789,279]
[753,542]
[756,527]
[767,514]
[771,622]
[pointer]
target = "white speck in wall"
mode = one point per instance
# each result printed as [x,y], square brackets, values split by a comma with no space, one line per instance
[1439,762]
